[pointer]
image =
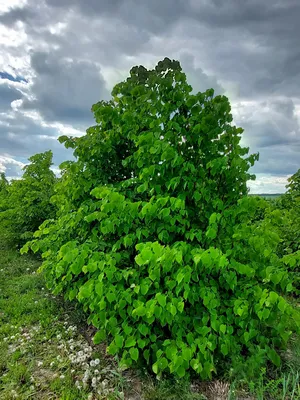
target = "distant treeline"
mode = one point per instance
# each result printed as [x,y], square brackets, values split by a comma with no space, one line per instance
[267,195]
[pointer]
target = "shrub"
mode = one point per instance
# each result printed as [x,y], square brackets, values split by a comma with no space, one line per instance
[287,207]
[3,191]
[154,234]
[26,202]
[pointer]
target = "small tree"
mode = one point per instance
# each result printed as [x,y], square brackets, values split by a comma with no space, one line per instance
[293,187]
[27,202]
[154,233]
[288,206]
[3,182]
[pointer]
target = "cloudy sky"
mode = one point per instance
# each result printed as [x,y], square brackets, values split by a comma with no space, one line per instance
[58,57]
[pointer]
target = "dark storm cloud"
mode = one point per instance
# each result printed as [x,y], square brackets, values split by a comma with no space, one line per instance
[23,14]
[21,137]
[199,81]
[248,50]
[65,89]
[275,124]
[272,129]
[253,43]
[155,15]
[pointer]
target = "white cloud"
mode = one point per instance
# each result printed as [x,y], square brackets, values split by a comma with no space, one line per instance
[9,164]
[268,184]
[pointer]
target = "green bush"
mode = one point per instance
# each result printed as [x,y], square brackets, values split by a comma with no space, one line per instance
[287,207]
[3,192]
[25,203]
[289,203]
[154,234]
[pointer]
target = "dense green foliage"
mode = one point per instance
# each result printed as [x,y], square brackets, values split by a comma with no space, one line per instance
[155,234]
[287,207]
[290,202]
[25,203]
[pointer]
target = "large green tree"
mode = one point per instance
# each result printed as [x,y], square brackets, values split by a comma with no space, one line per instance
[154,234]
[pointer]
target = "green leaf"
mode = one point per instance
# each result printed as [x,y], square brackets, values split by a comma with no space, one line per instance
[130,342]
[165,212]
[211,233]
[197,196]
[224,349]
[282,304]
[181,371]
[274,357]
[141,343]
[289,287]
[119,340]
[186,354]
[134,353]
[111,297]
[99,337]
[162,300]
[143,329]
[223,328]
[162,363]
[155,368]
[195,364]
[171,351]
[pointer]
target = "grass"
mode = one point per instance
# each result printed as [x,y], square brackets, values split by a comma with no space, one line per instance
[40,338]
[46,352]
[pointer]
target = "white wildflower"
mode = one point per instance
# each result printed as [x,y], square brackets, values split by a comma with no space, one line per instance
[97,361]
[92,363]
[40,363]
[105,382]
[62,377]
